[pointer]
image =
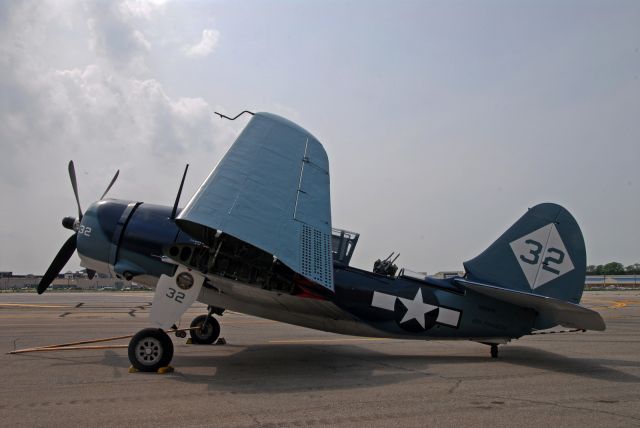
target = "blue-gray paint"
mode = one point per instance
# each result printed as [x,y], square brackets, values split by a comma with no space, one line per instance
[271,189]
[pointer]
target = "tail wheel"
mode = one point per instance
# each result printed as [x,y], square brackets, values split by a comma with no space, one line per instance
[494,351]
[150,349]
[205,333]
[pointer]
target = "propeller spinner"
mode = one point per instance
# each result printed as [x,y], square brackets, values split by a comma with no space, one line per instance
[69,247]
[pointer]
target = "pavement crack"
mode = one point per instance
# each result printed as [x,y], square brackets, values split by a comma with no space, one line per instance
[455,387]
[254,418]
[375,362]
[561,406]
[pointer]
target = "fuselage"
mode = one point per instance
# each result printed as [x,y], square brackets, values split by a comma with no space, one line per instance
[128,239]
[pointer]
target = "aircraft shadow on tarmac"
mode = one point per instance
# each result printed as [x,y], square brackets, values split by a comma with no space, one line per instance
[294,367]
[311,367]
[594,368]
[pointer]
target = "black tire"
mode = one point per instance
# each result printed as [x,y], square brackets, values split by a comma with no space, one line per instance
[150,349]
[207,336]
[494,351]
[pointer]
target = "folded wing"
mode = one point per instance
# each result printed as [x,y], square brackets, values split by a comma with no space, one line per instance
[271,190]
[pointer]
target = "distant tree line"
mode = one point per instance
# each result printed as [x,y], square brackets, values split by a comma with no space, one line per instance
[614,268]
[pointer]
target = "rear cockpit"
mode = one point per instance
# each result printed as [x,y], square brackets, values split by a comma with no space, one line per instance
[343,243]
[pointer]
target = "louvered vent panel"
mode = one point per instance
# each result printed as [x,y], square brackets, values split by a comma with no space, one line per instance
[316,254]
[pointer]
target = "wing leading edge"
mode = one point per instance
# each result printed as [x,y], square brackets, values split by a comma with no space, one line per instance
[271,190]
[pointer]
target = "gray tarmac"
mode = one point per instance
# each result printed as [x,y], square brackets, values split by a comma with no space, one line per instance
[273,374]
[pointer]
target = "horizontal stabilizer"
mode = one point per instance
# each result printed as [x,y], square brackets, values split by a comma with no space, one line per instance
[551,309]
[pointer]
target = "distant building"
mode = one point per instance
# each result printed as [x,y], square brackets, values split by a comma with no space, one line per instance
[595,282]
[69,281]
[80,281]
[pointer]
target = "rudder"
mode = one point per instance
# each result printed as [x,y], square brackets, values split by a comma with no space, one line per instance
[542,253]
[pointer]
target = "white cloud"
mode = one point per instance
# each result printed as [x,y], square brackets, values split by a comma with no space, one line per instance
[105,102]
[110,112]
[142,8]
[205,46]
[124,113]
[113,36]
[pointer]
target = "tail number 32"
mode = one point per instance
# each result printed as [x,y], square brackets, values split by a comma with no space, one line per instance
[553,256]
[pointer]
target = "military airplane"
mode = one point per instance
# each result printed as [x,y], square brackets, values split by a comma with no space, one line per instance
[257,238]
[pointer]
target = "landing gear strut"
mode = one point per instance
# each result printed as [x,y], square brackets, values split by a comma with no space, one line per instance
[494,351]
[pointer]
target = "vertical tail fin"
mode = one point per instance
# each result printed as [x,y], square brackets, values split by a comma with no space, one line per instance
[542,253]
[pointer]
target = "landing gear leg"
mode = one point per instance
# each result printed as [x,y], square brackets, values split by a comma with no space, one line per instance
[494,351]
[205,324]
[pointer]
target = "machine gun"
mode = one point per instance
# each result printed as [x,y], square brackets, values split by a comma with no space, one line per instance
[387,266]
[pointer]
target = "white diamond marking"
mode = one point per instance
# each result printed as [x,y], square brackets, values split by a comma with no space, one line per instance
[542,256]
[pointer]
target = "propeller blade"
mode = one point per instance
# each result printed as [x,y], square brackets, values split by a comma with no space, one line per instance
[74,184]
[91,273]
[175,206]
[58,263]
[113,180]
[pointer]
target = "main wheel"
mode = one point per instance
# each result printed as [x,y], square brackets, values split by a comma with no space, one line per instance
[206,335]
[150,349]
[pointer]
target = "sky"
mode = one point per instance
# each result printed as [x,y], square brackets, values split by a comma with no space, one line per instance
[443,121]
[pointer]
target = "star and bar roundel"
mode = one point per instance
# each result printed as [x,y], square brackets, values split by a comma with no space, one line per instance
[414,314]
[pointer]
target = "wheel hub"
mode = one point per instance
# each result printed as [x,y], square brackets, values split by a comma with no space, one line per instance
[204,330]
[149,351]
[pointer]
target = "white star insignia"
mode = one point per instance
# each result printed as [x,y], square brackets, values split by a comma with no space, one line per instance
[416,308]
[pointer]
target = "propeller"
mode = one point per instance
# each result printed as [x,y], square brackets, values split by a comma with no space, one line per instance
[69,247]
[74,184]
[113,180]
[58,263]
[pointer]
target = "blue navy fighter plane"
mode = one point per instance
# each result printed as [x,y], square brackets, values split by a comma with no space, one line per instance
[257,238]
